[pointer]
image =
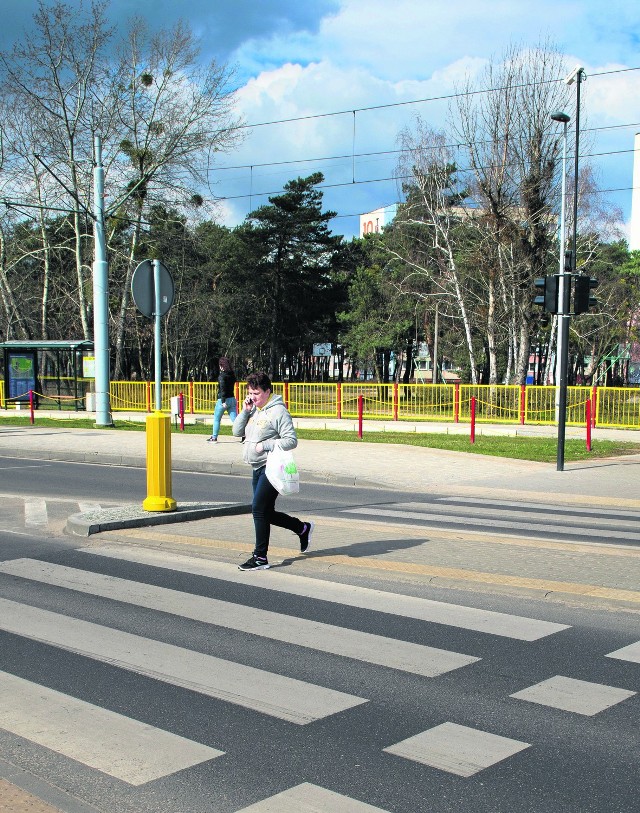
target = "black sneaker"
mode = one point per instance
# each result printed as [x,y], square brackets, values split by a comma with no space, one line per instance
[305,536]
[255,563]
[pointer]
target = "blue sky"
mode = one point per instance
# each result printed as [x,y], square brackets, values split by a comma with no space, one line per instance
[296,59]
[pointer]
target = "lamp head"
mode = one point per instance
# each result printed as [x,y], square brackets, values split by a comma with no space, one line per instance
[575,74]
[560,116]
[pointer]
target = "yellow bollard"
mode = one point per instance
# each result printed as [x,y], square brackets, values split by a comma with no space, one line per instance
[159,464]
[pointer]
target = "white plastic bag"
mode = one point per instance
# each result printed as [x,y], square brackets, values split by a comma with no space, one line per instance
[282,471]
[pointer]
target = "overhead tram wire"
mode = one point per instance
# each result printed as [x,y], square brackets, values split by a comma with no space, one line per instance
[390,105]
[349,156]
[388,152]
[595,192]
[444,97]
[401,178]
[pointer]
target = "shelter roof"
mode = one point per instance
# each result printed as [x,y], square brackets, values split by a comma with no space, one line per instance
[53,344]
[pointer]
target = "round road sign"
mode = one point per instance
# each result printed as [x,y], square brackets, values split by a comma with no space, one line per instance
[143,289]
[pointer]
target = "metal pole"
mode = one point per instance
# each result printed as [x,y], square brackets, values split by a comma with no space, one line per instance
[562,406]
[434,374]
[100,294]
[157,336]
[562,417]
[562,281]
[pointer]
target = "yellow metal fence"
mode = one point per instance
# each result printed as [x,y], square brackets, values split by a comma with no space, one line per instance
[609,406]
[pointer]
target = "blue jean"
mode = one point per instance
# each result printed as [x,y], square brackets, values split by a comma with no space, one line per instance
[231,407]
[265,515]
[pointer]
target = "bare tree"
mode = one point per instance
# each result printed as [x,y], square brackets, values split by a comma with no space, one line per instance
[173,115]
[52,76]
[162,117]
[513,150]
[427,233]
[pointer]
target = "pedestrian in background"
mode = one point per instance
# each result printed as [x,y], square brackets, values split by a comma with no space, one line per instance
[226,397]
[265,421]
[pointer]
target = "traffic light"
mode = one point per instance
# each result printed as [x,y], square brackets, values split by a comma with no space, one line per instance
[582,298]
[568,261]
[548,296]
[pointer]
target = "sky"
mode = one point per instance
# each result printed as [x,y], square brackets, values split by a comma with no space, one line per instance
[356,68]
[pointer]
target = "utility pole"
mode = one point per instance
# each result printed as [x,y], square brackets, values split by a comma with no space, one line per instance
[100,294]
[577,76]
[563,280]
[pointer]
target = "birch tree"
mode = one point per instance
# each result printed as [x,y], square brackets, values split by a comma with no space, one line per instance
[426,235]
[513,150]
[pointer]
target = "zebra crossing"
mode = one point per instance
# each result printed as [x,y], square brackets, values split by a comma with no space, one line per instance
[387,704]
[506,517]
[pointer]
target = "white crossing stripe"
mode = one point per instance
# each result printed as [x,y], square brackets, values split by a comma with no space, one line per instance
[627,653]
[457,749]
[109,742]
[577,696]
[278,696]
[623,516]
[308,798]
[416,658]
[35,512]
[86,507]
[470,518]
[422,609]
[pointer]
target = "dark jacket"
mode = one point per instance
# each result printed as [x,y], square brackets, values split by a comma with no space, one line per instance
[226,384]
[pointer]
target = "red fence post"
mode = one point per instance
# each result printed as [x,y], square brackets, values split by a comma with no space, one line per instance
[523,402]
[181,410]
[395,400]
[286,394]
[31,415]
[456,404]
[338,400]
[473,419]
[360,412]
[588,422]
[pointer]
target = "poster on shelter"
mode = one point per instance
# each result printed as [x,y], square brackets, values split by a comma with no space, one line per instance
[88,366]
[633,376]
[22,375]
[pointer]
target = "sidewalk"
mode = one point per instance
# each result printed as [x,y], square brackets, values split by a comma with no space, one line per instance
[614,482]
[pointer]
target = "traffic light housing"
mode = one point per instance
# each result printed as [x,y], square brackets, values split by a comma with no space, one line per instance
[582,297]
[548,296]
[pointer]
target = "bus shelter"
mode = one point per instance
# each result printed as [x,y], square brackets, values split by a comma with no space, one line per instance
[52,370]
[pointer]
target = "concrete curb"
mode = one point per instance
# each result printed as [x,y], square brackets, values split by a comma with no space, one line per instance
[119,517]
[30,787]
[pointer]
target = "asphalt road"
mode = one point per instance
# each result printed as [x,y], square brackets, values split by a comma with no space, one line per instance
[194,688]
[81,484]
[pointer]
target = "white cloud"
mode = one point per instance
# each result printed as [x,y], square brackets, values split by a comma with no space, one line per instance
[372,53]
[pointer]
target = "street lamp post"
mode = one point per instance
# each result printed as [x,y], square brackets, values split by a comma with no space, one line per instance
[577,75]
[563,316]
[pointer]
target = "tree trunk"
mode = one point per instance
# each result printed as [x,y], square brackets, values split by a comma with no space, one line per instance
[124,301]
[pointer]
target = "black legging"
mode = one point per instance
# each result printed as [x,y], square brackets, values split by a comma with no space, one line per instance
[265,515]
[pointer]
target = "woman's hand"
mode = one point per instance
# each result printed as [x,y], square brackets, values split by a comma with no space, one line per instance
[259,448]
[248,404]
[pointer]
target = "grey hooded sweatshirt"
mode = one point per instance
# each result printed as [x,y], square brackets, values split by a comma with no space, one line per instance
[270,425]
